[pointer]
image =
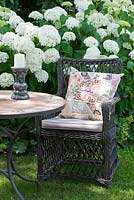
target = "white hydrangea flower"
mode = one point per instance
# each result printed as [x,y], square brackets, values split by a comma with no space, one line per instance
[103,57]
[80,16]
[24,44]
[69,36]
[131,54]
[82,5]
[9,39]
[92,53]
[14,21]
[33,61]
[6,80]
[111,46]
[23,27]
[6,13]
[49,36]
[113,56]
[102,32]
[42,76]
[112,28]
[131,36]
[3,57]
[97,20]
[71,23]
[54,14]
[127,45]
[91,41]
[51,56]
[35,15]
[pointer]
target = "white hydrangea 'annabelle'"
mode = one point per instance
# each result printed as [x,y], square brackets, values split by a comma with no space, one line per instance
[92,53]
[69,36]
[42,76]
[54,14]
[82,5]
[49,36]
[112,28]
[6,13]
[15,20]
[111,46]
[132,36]
[9,39]
[113,56]
[97,20]
[3,57]
[6,80]
[33,61]
[36,15]
[102,32]
[23,27]
[91,41]
[131,54]
[71,23]
[80,16]
[24,44]
[51,56]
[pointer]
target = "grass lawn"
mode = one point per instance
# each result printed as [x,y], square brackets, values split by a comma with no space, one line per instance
[121,189]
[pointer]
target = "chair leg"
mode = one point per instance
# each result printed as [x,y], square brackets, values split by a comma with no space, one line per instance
[110,155]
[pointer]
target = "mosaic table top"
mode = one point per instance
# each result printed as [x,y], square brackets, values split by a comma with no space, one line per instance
[38,104]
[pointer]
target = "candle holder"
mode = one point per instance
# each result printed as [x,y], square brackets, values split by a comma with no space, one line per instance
[20,86]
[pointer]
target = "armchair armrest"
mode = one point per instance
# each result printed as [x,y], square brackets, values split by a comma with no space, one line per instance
[108,112]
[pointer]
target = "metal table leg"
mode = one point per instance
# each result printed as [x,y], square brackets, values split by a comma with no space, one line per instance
[11,170]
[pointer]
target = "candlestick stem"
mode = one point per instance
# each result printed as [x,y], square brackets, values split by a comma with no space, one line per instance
[20,86]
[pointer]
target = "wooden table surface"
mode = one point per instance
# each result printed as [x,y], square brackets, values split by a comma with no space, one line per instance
[37,105]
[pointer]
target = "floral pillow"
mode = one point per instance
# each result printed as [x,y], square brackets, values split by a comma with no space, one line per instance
[86,93]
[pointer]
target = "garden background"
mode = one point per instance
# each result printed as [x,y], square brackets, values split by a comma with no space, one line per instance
[78,29]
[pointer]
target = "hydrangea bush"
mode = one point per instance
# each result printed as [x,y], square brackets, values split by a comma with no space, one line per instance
[98,29]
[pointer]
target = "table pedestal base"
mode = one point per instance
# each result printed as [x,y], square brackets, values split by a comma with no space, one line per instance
[11,170]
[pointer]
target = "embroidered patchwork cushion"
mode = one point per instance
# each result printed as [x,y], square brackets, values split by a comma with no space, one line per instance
[86,92]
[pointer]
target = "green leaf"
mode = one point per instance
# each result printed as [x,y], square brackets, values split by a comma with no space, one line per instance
[130,65]
[66,48]
[123,15]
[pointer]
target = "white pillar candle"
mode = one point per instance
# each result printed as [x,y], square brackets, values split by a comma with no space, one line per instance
[19,60]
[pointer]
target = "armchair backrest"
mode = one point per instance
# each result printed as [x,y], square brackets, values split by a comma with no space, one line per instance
[110,65]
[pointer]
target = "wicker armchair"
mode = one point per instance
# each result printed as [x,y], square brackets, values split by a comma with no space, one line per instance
[80,149]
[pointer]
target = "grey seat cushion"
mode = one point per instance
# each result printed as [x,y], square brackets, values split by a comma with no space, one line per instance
[72,124]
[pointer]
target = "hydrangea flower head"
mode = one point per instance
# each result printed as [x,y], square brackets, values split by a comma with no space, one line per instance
[6,80]
[3,57]
[15,20]
[36,15]
[42,76]
[111,46]
[91,41]
[54,14]
[131,54]
[97,20]
[92,53]
[48,36]
[71,23]
[51,56]
[69,36]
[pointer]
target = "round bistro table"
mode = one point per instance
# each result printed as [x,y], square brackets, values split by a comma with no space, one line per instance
[38,105]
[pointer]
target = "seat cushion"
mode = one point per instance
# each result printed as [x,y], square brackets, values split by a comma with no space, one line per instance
[72,124]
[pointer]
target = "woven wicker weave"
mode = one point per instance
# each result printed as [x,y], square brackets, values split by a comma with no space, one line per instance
[81,154]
